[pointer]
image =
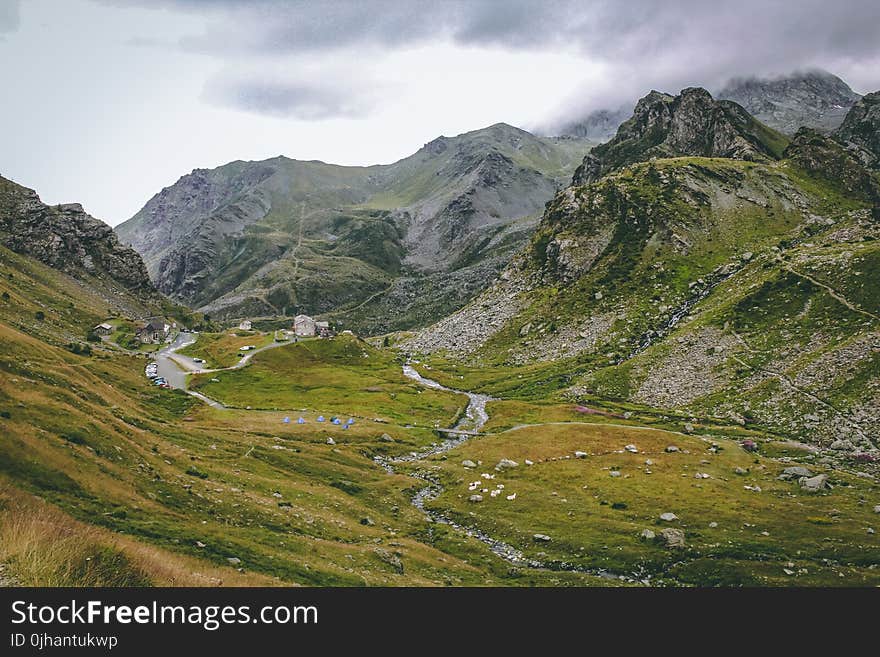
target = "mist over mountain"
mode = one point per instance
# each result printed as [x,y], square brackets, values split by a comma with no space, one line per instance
[815,99]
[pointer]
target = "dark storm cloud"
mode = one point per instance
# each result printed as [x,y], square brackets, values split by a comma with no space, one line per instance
[9,16]
[641,44]
[600,27]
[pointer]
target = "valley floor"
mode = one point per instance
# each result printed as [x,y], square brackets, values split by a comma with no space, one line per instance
[529,493]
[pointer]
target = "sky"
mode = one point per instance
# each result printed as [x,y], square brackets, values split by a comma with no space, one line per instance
[105,102]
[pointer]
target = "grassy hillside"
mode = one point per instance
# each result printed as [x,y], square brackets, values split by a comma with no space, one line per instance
[712,287]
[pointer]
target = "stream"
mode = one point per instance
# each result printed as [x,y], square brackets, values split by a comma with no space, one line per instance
[468,426]
[652,336]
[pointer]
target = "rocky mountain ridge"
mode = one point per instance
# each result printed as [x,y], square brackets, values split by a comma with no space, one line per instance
[692,123]
[860,130]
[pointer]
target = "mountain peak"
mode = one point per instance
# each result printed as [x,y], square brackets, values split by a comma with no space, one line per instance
[692,123]
[814,98]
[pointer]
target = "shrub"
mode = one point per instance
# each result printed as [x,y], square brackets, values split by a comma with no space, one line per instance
[193,471]
[40,315]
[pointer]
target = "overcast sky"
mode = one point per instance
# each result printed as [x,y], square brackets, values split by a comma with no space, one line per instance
[107,101]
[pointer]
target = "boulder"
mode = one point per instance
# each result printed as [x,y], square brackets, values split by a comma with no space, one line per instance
[842,445]
[580,455]
[668,517]
[672,448]
[385,438]
[795,472]
[740,471]
[814,484]
[506,464]
[467,463]
[673,538]
[632,449]
[475,498]
[647,535]
[614,473]
[542,538]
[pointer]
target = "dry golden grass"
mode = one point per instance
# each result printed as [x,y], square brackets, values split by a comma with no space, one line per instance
[42,546]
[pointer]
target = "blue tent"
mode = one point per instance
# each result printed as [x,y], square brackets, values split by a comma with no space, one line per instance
[336,421]
[286,420]
[300,421]
[320,418]
[344,426]
[350,420]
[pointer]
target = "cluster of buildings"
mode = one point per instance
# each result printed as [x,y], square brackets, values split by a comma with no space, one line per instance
[154,331]
[303,327]
[306,327]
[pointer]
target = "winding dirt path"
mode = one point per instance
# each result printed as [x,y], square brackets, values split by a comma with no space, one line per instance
[834,293]
[786,380]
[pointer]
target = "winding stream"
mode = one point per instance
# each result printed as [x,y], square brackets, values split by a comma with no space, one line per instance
[468,426]
[474,418]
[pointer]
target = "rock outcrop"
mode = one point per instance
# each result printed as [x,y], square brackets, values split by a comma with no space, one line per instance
[860,130]
[825,158]
[66,238]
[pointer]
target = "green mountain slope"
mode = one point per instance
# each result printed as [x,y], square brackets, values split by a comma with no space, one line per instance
[281,236]
[714,287]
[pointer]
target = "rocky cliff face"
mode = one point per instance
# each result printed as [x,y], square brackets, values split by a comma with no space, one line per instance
[827,159]
[66,238]
[860,130]
[283,236]
[690,124]
[815,99]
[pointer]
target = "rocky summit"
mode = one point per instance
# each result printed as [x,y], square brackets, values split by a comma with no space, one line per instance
[813,99]
[692,123]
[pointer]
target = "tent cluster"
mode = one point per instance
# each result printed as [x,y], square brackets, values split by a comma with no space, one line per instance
[321,418]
